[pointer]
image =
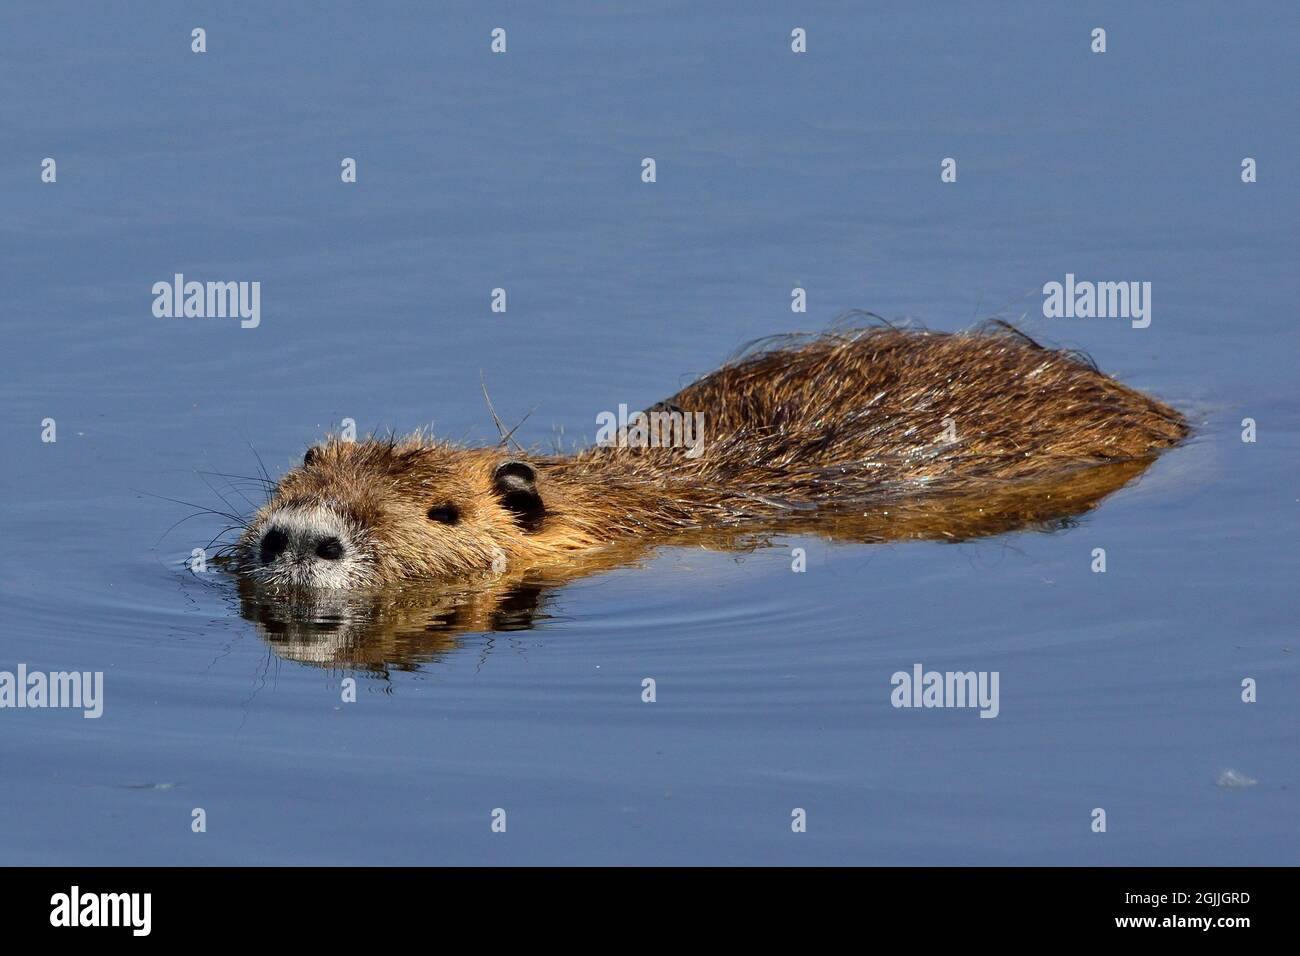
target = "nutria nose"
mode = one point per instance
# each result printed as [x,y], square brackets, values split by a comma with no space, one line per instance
[276,541]
[331,549]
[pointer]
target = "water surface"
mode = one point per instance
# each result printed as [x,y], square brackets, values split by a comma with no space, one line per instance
[1118,690]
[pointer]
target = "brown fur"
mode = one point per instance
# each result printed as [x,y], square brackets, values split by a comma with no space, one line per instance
[844,433]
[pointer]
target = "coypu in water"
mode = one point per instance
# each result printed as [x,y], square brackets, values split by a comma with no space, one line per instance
[868,434]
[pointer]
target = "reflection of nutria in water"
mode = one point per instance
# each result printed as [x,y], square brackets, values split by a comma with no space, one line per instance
[384,629]
[842,434]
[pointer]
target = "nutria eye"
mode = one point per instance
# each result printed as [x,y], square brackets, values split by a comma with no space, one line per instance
[446,514]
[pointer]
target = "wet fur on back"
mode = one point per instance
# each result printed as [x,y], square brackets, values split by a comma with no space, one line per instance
[862,416]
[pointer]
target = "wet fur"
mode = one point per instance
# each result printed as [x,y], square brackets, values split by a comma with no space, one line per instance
[802,431]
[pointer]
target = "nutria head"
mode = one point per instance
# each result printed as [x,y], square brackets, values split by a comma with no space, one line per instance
[357,514]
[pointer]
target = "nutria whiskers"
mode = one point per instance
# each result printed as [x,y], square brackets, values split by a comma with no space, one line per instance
[814,430]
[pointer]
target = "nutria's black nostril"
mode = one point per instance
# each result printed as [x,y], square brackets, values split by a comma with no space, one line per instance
[331,549]
[273,544]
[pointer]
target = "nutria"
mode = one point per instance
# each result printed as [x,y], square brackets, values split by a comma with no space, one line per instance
[868,434]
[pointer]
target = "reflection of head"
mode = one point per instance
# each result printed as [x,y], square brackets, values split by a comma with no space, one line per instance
[403,627]
[395,629]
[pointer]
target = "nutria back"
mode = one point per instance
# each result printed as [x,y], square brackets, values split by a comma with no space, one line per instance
[872,414]
[806,431]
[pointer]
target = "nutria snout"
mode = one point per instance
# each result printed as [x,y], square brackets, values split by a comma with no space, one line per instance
[840,424]
[310,545]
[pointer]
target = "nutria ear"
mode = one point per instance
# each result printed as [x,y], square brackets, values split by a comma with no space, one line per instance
[516,484]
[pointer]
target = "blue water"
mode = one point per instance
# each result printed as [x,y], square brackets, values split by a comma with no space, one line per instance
[1119,690]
